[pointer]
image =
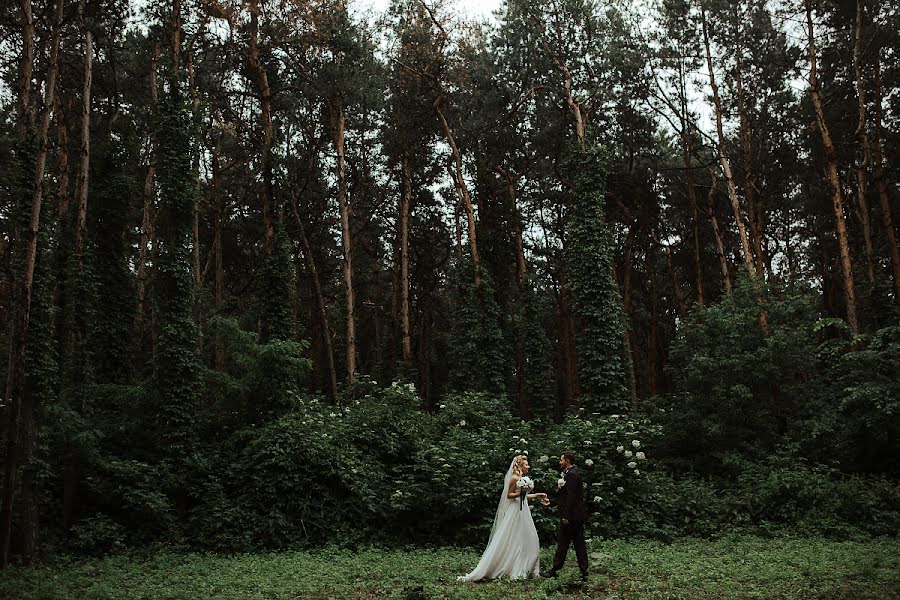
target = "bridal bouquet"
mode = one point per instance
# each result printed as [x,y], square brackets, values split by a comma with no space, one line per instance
[525,485]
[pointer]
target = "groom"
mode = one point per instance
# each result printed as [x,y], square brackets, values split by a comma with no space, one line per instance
[572,514]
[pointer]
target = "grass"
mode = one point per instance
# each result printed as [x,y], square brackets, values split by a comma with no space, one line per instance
[739,567]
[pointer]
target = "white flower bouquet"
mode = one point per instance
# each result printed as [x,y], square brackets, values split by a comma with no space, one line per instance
[525,485]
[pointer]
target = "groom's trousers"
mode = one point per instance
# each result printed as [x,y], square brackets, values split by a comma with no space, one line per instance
[573,532]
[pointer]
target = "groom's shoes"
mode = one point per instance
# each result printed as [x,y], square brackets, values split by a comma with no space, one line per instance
[548,574]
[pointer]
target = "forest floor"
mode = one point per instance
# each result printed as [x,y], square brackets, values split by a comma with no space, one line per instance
[736,567]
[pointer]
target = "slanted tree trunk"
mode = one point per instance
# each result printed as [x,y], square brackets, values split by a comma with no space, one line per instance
[881,184]
[460,183]
[321,310]
[15,379]
[833,179]
[723,158]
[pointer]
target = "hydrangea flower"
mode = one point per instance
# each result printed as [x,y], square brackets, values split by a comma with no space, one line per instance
[462,423]
[640,456]
[620,489]
[544,458]
[620,448]
[589,463]
[637,471]
[632,465]
[628,454]
[598,499]
[635,443]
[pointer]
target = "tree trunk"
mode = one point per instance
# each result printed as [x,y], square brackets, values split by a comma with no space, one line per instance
[62,160]
[18,339]
[460,185]
[754,212]
[320,300]
[81,186]
[862,206]
[336,112]
[834,180]
[881,184]
[723,158]
[405,203]
[720,247]
[523,401]
[627,272]
[148,219]
[218,202]
[265,101]
[25,116]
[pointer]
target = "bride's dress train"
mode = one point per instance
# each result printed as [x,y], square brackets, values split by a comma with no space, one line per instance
[513,549]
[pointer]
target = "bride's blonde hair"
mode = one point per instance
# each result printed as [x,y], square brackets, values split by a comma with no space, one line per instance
[518,461]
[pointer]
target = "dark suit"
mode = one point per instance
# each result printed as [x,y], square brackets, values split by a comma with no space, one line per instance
[571,508]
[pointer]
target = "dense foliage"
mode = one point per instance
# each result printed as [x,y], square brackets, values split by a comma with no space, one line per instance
[301,278]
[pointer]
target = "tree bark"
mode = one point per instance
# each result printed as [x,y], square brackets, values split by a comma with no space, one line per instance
[25,116]
[218,202]
[81,185]
[18,339]
[754,212]
[862,206]
[723,158]
[336,113]
[720,247]
[460,183]
[405,204]
[148,219]
[320,300]
[833,179]
[265,101]
[881,184]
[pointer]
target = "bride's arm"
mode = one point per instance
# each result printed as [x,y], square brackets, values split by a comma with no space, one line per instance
[513,491]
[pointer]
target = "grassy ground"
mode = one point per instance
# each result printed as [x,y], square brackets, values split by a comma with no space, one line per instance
[742,567]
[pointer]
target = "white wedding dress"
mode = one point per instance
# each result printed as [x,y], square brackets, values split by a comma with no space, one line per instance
[513,548]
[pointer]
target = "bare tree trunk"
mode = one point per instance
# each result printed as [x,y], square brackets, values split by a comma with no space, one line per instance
[754,212]
[720,247]
[25,116]
[218,202]
[321,311]
[723,158]
[15,381]
[81,185]
[627,272]
[405,203]
[460,186]
[862,206]
[834,180]
[337,132]
[877,159]
[265,100]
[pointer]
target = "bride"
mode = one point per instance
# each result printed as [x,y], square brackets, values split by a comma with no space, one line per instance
[513,547]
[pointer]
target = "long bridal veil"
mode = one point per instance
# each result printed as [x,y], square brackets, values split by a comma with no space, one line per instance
[513,549]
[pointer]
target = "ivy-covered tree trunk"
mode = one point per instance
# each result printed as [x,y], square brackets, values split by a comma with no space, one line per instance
[15,378]
[176,365]
[602,356]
